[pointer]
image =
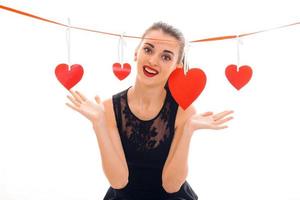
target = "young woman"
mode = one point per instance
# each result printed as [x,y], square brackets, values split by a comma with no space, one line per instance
[143,134]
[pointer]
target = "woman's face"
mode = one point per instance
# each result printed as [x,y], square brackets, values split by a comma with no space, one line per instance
[156,59]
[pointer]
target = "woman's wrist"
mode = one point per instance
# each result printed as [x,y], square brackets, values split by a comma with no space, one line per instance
[98,122]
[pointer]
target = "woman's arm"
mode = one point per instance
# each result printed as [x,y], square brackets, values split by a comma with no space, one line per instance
[100,114]
[176,167]
[114,167]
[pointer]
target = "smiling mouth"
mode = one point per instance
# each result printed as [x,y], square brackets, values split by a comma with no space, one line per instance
[149,71]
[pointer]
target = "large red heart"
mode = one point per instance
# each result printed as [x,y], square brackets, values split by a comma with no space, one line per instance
[68,78]
[186,88]
[238,78]
[121,72]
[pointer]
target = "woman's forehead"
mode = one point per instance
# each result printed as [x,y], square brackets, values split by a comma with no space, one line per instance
[159,35]
[160,39]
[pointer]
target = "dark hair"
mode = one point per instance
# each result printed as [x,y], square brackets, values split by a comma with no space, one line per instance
[172,31]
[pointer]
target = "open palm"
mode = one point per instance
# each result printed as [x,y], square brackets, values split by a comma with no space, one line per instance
[210,121]
[89,109]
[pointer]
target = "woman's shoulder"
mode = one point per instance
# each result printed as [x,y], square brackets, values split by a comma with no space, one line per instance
[109,107]
[120,93]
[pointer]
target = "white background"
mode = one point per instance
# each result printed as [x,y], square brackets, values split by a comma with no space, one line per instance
[48,151]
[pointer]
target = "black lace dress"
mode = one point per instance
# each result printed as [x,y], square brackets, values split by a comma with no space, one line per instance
[146,145]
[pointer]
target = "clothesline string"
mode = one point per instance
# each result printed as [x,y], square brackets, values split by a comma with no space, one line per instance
[137,37]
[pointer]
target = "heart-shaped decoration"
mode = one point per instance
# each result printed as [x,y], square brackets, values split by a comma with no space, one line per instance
[121,72]
[68,78]
[186,88]
[238,78]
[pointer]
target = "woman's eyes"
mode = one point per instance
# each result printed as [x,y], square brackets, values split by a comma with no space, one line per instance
[164,57]
[147,50]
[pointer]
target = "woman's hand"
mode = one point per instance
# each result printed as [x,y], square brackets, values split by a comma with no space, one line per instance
[92,111]
[208,120]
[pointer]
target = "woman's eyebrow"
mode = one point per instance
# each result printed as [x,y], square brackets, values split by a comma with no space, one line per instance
[150,44]
[169,51]
[164,50]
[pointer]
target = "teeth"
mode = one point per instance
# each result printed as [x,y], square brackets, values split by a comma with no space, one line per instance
[150,70]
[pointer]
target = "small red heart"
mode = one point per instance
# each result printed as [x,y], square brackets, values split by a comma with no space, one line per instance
[68,78]
[238,78]
[186,88]
[120,72]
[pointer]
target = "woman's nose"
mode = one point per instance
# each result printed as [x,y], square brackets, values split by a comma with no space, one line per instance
[153,60]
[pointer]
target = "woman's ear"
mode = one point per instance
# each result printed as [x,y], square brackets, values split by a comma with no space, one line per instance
[180,65]
[135,56]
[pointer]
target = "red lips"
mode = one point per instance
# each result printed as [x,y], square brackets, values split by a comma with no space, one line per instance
[151,68]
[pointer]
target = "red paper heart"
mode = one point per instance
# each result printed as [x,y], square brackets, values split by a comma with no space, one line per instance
[120,72]
[238,78]
[186,88]
[68,78]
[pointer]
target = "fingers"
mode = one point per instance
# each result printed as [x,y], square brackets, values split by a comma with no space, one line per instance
[74,101]
[81,96]
[221,127]
[207,113]
[221,115]
[218,118]
[223,120]
[97,99]
[71,106]
[76,96]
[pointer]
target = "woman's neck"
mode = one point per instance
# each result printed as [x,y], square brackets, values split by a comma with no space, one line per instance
[146,97]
